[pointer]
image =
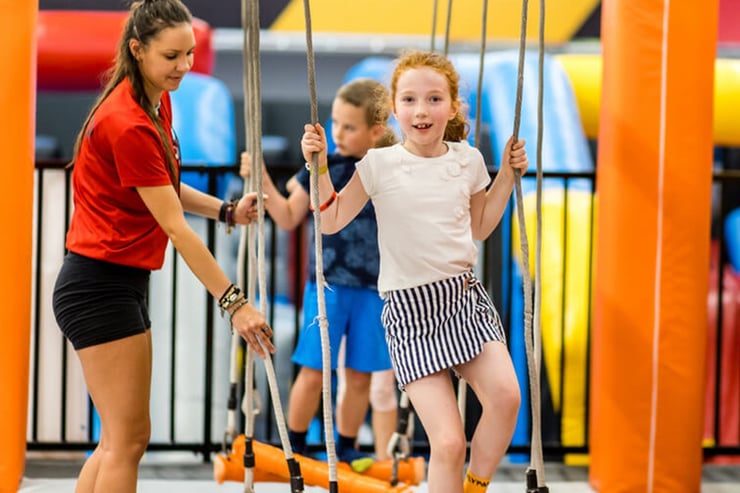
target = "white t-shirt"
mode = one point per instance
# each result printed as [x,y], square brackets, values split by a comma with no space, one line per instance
[423,212]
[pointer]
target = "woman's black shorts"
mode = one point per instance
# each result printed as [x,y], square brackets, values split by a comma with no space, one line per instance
[96,301]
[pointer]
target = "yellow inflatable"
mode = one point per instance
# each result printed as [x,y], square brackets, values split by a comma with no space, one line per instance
[566,299]
[585,73]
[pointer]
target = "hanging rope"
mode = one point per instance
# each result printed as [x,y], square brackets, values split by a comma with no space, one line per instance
[434,26]
[331,455]
[253,124]
[536,472]
[481,66]
[462,387]
[447,27]
[536,360]
[399,445]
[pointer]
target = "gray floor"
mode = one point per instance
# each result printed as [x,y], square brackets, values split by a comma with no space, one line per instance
[47,474]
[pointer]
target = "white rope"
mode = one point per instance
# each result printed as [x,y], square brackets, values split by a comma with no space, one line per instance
[434,25]
[448,23]
[537,455]
[320,282]
[253,129]
[531,334]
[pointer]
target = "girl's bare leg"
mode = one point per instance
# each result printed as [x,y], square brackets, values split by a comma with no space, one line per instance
[435,403]
[491,376]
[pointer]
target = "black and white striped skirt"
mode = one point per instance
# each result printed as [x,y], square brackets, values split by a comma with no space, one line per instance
[437,326]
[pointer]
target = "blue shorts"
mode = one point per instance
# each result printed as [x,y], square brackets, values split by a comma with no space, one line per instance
[351,312]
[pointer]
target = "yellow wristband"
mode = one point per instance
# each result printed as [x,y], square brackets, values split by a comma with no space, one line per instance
[322,169]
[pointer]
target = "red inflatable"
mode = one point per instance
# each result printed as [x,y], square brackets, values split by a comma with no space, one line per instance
[75,48]
[729,381]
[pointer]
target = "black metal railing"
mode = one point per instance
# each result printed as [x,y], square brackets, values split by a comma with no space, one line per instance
[191,383]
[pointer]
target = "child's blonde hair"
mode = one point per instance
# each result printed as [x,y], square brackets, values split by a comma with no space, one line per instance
[373,97]
[457,128]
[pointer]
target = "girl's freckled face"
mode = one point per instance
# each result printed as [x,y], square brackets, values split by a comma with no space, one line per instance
[423,106]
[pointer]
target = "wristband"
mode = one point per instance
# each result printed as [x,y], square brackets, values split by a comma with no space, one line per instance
[326,204]
[322,169]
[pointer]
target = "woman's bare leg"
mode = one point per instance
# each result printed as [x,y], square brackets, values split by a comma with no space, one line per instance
[118,377]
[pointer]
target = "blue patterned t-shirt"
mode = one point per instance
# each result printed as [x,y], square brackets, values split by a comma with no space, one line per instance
[351,256]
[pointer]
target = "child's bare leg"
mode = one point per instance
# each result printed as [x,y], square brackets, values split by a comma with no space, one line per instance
[491,376]
[384,403]
[352,406]
[434,402]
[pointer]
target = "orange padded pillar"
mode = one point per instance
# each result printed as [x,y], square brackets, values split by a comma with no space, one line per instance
[652,252]
[17,100]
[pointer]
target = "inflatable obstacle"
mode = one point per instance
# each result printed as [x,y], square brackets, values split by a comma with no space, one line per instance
[271,466]
[17,98]
[76,48]
[652,258]
[722,426]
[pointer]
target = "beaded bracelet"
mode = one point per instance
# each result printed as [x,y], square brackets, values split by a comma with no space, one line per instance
[233,309]
[231,296]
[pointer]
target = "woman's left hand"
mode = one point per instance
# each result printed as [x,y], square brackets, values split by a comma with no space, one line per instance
[246,209]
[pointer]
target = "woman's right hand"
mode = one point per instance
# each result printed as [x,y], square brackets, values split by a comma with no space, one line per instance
[313,141]
[249,323]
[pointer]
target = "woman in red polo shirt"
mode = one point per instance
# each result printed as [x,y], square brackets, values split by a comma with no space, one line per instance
[128,204]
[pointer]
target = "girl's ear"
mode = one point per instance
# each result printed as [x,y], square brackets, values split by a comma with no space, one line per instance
[455,108]
[376,132]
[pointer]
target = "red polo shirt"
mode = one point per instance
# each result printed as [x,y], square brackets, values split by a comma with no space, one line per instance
[121,150]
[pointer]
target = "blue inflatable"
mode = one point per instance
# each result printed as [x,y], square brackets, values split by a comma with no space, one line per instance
[204,123]
[732,238]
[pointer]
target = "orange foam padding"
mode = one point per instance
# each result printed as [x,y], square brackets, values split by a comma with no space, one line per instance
[75,48]
[231,468]
[270,464]
[652,251]
[17,99]
[411,471]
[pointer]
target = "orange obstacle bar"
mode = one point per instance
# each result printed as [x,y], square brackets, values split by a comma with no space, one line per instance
[652,252]
[270,466]
[231,468]
[75,48]
[17,99]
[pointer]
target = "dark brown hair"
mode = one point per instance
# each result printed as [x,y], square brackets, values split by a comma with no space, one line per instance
[146,19]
